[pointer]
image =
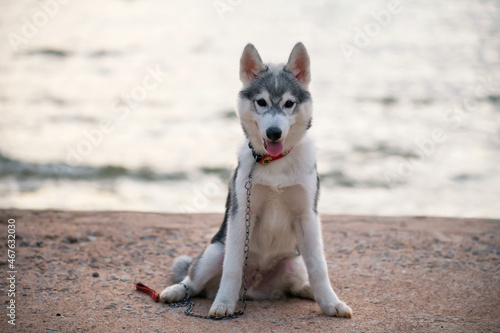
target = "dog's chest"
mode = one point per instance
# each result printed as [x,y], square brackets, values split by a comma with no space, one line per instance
[275,211]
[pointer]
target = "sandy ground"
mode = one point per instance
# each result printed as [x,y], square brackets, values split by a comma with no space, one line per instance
[76,273]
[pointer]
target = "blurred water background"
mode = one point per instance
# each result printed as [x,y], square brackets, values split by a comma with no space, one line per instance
[129,105]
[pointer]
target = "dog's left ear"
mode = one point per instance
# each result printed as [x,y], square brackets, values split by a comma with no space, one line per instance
[250,64]
[299,65]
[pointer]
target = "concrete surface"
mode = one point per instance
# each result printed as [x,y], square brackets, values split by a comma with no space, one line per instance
[76,273]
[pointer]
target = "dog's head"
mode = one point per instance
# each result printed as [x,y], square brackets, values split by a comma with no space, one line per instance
[275,106]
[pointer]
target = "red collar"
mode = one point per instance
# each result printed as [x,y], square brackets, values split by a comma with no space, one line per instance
[266,159]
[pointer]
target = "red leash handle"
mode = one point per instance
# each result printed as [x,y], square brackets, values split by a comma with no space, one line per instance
[145,289]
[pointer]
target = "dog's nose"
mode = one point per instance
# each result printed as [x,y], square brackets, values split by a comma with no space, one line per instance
[273,133]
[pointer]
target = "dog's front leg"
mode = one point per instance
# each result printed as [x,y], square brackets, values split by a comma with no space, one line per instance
[232,269]
[311,247]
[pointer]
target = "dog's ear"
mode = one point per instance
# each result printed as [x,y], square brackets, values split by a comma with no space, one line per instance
[250,64]
[299,65]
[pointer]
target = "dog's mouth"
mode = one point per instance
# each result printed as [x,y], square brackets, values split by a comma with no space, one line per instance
[273,148]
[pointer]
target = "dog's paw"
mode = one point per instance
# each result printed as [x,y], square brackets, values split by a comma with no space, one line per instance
[339,309]
[173,294]
[222,309]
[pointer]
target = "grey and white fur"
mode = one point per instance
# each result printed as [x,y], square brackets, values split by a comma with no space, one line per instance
[286,250]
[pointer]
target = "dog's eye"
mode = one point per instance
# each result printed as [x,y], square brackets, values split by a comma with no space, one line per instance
[289,104]
[261,102]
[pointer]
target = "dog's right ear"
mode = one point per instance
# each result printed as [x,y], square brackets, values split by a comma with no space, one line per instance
[299,64]
[250,64]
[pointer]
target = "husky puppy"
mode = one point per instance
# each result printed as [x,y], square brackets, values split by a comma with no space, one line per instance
[285,246]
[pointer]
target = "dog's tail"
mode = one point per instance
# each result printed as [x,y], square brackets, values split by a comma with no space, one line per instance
[180,268]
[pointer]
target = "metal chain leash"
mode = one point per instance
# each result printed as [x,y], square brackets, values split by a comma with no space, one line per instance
[186,301]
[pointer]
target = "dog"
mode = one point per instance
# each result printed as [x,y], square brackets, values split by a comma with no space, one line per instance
[285,242]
